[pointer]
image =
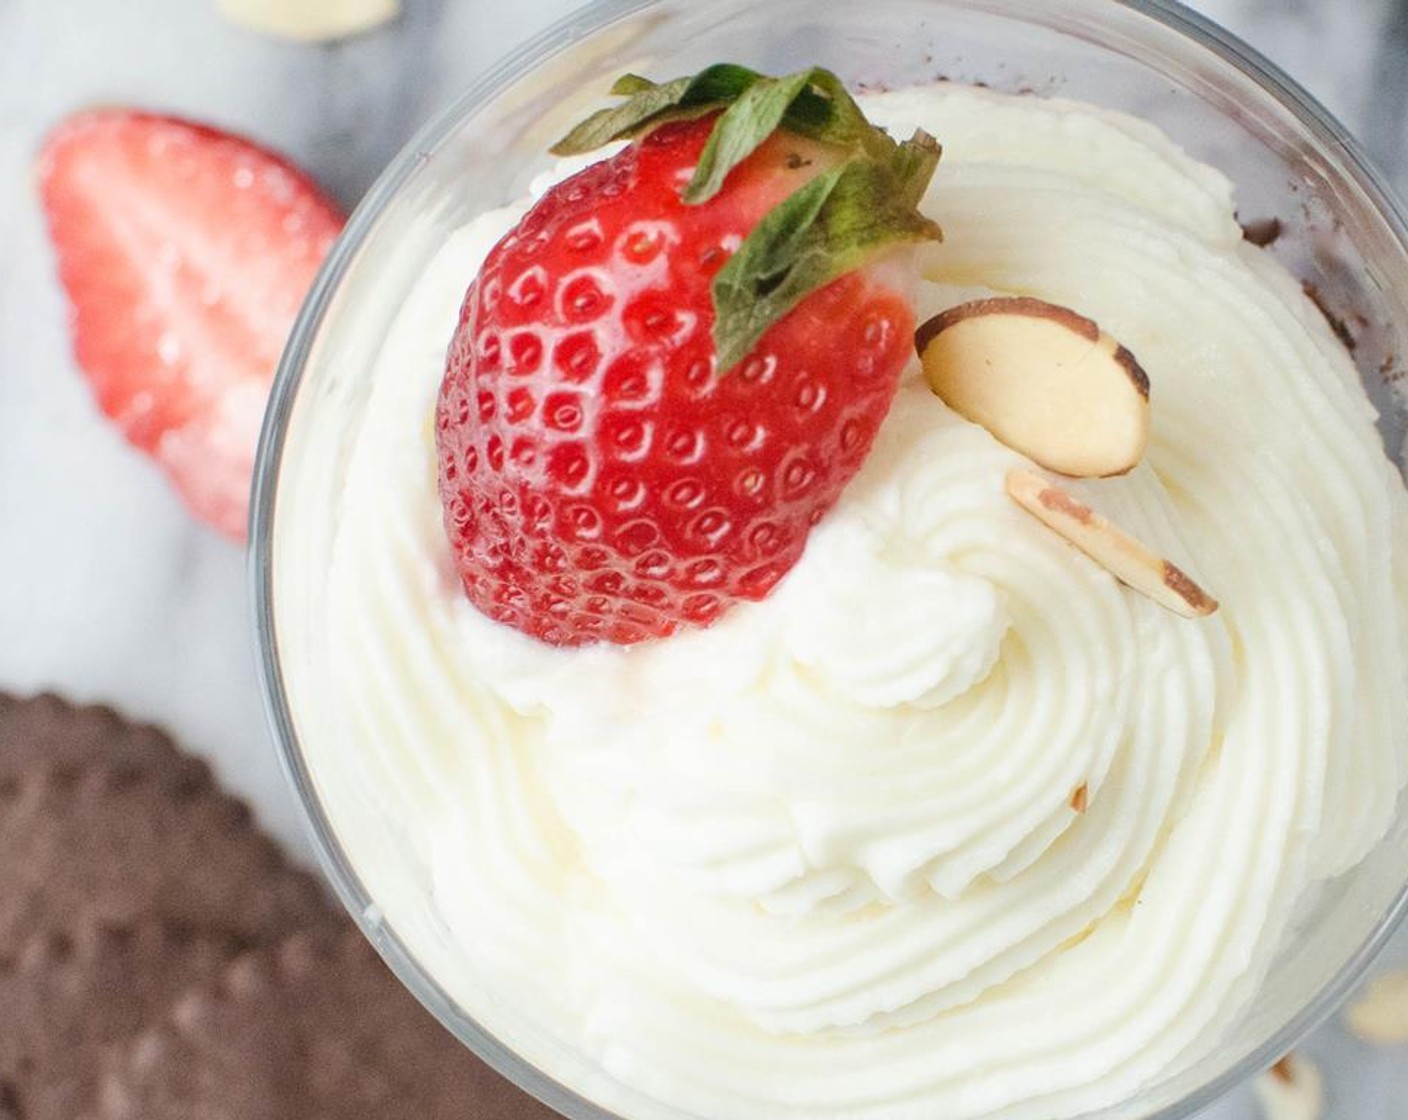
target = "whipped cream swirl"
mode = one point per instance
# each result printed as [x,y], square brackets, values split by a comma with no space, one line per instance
[875,847]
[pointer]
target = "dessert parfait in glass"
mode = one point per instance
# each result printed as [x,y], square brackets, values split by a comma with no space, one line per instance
[804,586]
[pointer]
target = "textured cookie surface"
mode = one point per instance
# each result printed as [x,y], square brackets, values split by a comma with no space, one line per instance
[67,998]
[103,820]
[317,1029]
[46,730]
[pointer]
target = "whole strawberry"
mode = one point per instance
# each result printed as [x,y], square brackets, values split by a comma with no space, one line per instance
[665,375]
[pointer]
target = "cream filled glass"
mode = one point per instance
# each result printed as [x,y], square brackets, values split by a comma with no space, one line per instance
[952,824]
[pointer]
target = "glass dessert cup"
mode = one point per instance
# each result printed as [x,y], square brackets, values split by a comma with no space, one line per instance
[1343,237]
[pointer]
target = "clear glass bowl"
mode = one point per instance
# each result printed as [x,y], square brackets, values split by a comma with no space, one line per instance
[1153,58]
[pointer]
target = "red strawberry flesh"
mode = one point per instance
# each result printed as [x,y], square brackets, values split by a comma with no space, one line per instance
[185,253]
[600,480]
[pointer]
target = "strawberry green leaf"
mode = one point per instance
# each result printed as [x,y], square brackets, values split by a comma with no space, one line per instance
[912,165]
[814,103]
[743,127]
[720,84]
[827,112]
[622,121]
[865,204]
[836,223]
[650,105]
[629,84]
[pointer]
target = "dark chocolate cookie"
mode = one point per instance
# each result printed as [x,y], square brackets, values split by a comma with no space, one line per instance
[317,1029]
[104,820]
[67,997]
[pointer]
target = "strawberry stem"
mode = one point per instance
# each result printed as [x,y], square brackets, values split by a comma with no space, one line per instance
[838,222]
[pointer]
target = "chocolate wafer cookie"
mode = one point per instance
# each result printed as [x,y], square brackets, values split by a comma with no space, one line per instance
[65,998]
[101,819]
[318,1029]
[47,729]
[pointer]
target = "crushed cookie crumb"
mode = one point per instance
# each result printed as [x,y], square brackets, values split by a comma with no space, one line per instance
[1337,324]
[1262,232]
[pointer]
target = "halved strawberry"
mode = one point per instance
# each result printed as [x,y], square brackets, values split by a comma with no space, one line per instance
[185,252]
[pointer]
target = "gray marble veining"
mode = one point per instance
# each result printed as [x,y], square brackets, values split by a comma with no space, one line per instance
[108,591]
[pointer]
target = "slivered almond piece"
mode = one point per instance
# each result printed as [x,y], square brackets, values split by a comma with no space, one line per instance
[1292,1089]
[1132,563]
[309,21]
[1380,1014]
[1043,379]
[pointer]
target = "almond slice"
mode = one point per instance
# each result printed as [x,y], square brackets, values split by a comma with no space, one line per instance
[1132,563]
[1292,1089]
[1380,1014]
[1044,380]
[309,21]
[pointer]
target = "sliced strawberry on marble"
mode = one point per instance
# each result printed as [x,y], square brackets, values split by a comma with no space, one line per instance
[185,253]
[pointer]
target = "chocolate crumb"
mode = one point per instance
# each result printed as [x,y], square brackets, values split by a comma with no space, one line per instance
[1262,232]
[1080,799]
[1337,324]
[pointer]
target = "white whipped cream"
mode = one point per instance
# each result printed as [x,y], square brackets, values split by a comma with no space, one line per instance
[821,859]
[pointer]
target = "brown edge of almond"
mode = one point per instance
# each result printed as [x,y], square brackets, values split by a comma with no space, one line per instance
[1282,1070]
[1131,366]
[1130,561]
[1032,308]
[1004,305]
[1058,501]
[1181,584]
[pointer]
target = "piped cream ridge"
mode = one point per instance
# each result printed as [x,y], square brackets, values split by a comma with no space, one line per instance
[821,859]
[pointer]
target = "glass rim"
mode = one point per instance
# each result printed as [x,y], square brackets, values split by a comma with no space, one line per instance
[1330,136]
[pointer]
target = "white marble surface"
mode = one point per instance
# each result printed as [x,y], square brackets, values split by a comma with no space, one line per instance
[108,591]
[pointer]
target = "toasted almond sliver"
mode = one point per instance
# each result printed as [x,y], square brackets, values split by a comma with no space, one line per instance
[1132,563]
[1043,379]
[1292,1089]
[309,21]
[1380,1014]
